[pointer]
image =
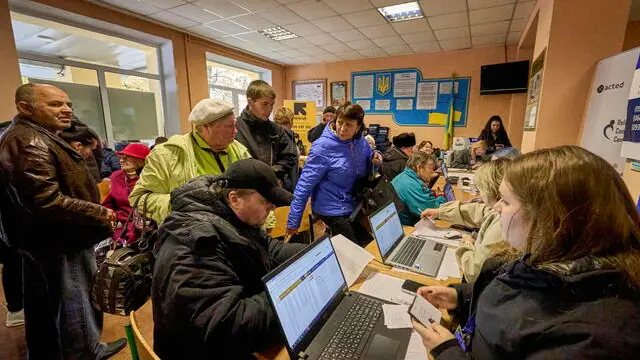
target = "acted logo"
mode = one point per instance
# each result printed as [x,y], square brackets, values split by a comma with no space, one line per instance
[602,88]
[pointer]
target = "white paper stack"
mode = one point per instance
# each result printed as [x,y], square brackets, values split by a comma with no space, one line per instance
[352,258]
[396,316]
[416,350]
[449,267]
[387,288]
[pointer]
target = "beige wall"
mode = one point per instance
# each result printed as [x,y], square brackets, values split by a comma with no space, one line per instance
[9,71]
[632,35]
[433,65]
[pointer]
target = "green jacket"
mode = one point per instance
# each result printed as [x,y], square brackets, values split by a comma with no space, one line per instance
[489,238]
[167,167]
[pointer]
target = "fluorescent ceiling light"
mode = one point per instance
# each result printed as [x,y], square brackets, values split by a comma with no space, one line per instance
[401,12]
[277,33]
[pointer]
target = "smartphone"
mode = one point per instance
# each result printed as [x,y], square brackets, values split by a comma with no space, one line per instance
[411,287]
[462,227]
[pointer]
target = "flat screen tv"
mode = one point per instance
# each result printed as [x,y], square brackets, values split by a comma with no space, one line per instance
[505,78]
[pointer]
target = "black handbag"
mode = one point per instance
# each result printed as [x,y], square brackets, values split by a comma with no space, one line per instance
[373,194]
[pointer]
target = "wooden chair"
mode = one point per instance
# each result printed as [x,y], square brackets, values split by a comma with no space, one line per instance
[282,214]
[104,187]
[140,349]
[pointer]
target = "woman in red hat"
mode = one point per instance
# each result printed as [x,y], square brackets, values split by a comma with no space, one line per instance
[122,182]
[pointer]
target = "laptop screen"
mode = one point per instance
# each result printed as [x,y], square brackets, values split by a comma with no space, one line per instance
[386,227]
[302,290]
[448,192]
[444,171]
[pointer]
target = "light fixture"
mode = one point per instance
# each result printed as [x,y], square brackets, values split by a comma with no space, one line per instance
[46,38]
[401,12]
[278,33]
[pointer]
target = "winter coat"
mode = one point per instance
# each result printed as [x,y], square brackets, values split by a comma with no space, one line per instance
[461,159]
[208,297]
[394,161]
[329,175]
[168,166]
[415,195]
[471,257]
[118,201]
[267,142]
[491,141]
[110,163]
[48,198]
[315,132]
[581,309]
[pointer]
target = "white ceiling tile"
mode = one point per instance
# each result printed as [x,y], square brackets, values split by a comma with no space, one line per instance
[255,37]
[386,41]
[227,26]
[441,7]
[523,9]
[343,7]
[195,13]
[277,46]
[348,35]
[517,25]
[333,23]
[455,33]
[206,31]
[500,27]
[381,3]
[286,1]
[336,47]
[479,4]
[313,51]
[349,55]
[373,52]
[365,18]
[309,59]
[256,5]
[449,21]
[142,8]
[321,39]
[398,50]
[281,16]
[513,38]
[361,44]
[419,37]
[486,40]
[292,61]
[274,55]
[173,19]
[493,14]
[311,9]
[328,57]
[234,41]
[455,44]
[377,31]
[292,53]
[164,4]
[411,26]
[303,29]
[222,8]
[253,22]
[425,46]
[297,43]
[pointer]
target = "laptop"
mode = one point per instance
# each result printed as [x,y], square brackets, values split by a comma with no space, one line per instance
[420,255]
[445,172]
[321,319]
[448,192]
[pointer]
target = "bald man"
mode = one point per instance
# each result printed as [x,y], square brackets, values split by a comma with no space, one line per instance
[50,213]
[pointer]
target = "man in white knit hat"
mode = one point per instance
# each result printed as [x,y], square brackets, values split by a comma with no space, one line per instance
[207,150]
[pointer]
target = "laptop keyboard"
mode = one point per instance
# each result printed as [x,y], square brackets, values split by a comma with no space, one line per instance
[350,338]
[409,251]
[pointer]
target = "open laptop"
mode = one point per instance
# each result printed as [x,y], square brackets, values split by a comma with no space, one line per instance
[445,172]
[448,192]
[321,319]
[419,255]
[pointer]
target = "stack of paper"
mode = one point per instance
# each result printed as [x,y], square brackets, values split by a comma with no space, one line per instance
[387,288]
[352,258]
[396,316]
[416,350]
[427,228]
[449,267]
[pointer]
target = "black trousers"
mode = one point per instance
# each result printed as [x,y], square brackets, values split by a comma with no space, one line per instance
[353,231]
[11,277]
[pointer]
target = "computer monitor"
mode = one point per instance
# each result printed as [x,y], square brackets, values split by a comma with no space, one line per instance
[445,172]
[448,192]
[302,290]
[387,228]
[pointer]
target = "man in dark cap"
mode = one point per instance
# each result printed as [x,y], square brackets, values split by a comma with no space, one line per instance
[328,115]
[394,160]
[208,297]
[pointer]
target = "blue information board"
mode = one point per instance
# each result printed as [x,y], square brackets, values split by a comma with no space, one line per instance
[409,98]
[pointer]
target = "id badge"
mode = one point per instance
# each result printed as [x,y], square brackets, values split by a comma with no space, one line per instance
[460,336]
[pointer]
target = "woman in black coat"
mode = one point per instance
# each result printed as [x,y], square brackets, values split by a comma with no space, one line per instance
[575,292]
[495,135]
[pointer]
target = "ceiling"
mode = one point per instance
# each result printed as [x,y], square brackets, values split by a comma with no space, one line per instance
[335,30]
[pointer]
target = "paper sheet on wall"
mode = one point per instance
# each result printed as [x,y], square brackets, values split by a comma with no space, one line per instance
[352,258]
[363,86]
[386,287]
[396,316]
[427,96]
[383,105]
[449,267]
[404,104]
[404,84]
[416,350]
[445,88]
[366,104]
[310,92]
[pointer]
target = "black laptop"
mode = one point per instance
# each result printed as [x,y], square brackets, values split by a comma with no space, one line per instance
[321,319]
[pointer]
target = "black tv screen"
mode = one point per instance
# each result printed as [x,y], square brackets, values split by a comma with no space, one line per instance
[505,78]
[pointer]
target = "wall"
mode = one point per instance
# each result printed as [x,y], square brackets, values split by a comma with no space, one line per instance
[9,71]
[189,54]
[632,35]
[432,65]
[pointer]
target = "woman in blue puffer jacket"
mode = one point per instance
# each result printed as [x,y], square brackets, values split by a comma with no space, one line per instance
[337,160]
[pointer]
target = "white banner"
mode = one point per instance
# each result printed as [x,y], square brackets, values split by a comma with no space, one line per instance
[607,110]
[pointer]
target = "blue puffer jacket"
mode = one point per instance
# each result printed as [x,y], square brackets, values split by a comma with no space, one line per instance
[328,176]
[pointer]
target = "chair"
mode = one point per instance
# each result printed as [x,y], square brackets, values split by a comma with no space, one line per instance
[140,349]
[282,215]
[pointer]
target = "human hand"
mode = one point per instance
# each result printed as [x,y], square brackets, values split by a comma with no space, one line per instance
[429,213]
[442,297]
[433,335]
[289,234]
[377,158]
[111,216]
[468,239]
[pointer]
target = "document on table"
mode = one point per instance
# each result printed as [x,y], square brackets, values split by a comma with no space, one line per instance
[416,350]
[427,228]
[396,316]
[386,287]
[449,267]
[352,258]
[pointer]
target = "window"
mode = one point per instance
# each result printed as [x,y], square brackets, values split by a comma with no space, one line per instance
[230,83]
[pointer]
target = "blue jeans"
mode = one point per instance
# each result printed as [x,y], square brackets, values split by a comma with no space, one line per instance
[60,322]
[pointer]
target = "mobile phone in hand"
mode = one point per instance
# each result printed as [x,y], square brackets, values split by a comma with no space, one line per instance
[411,287]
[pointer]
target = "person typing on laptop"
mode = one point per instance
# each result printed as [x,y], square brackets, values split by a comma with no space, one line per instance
[207,293]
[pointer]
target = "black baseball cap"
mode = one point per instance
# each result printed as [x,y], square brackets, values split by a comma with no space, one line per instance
[255,175]
[329,109]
